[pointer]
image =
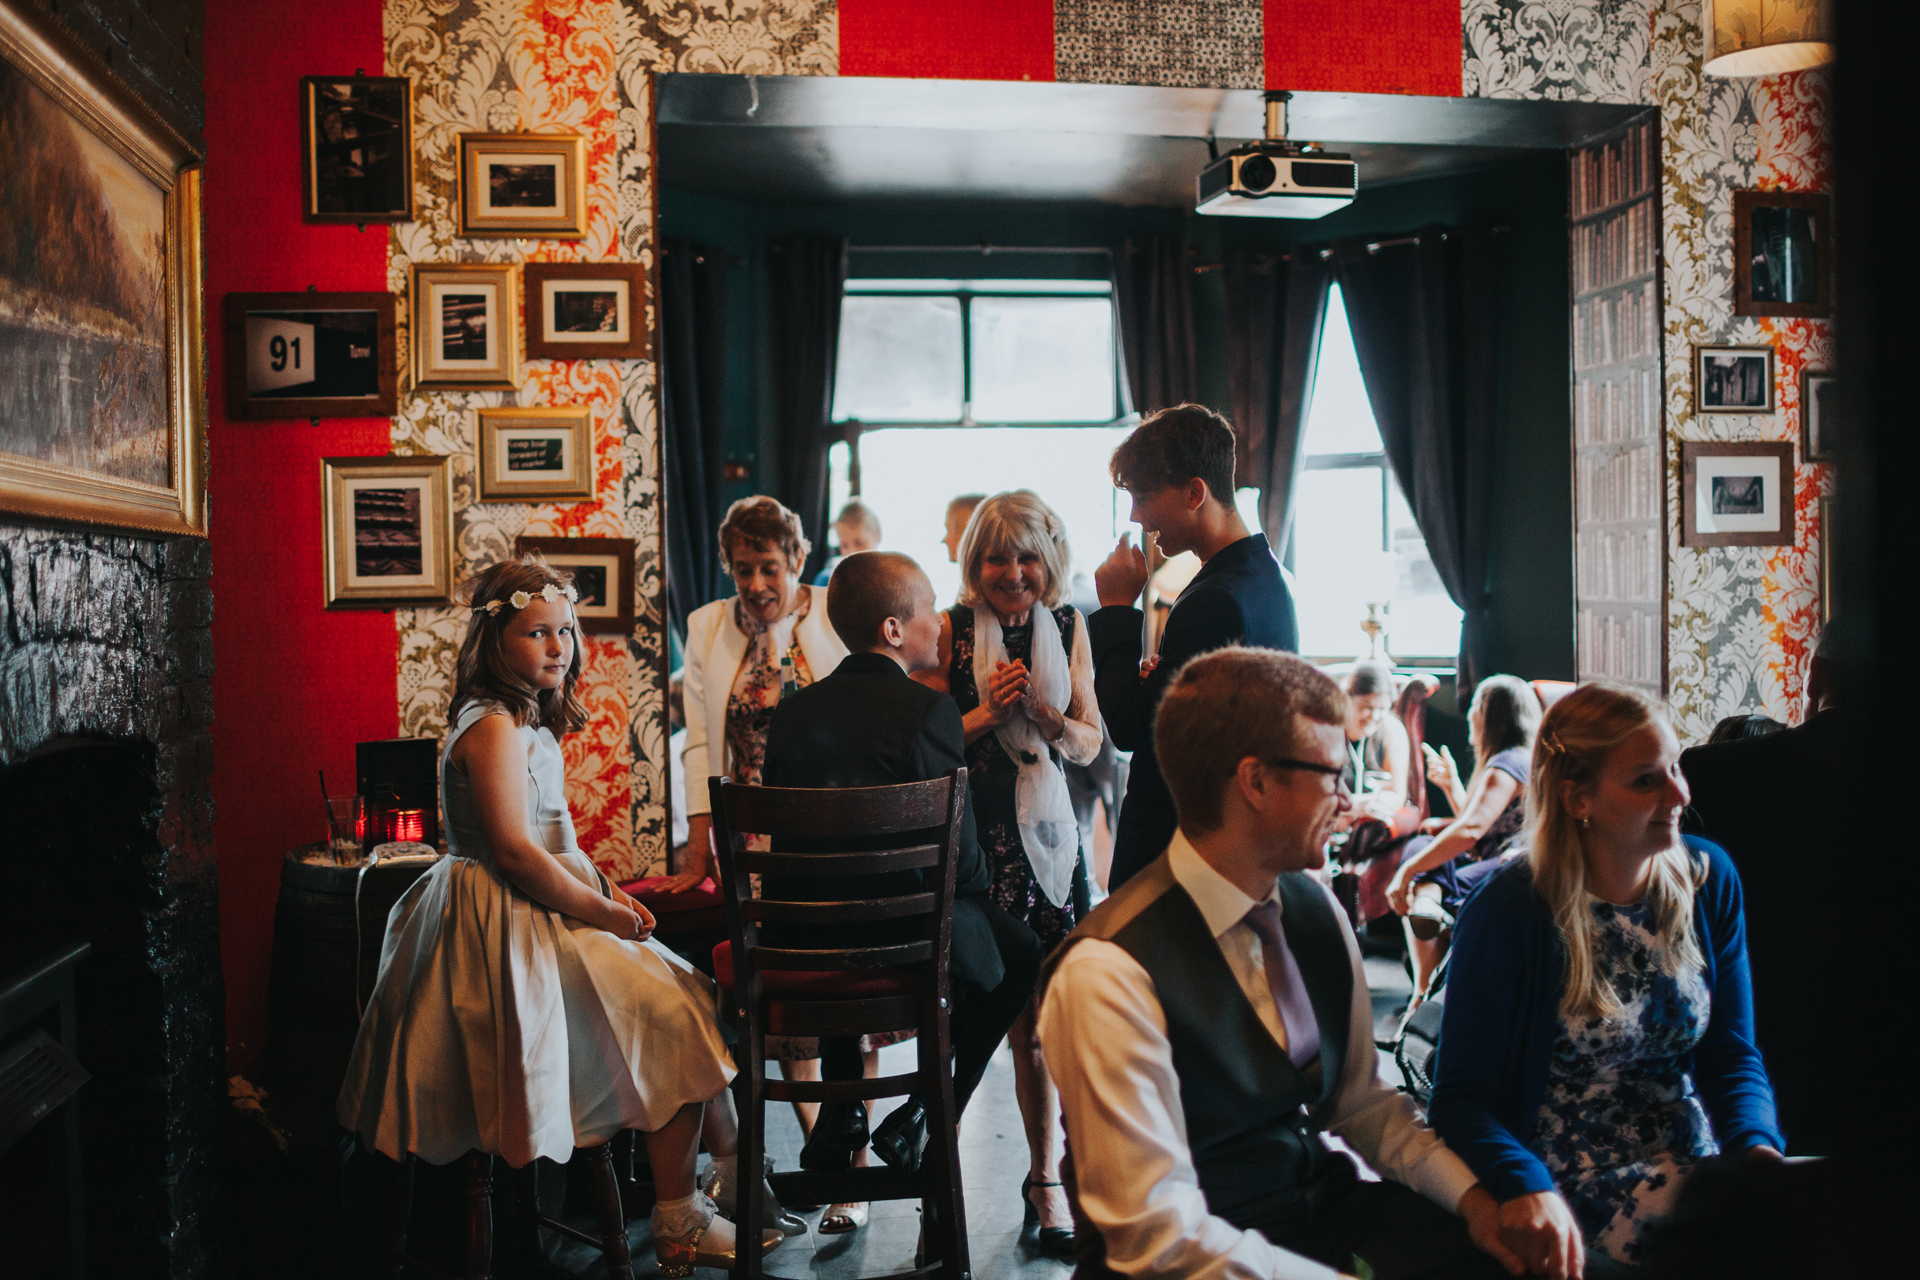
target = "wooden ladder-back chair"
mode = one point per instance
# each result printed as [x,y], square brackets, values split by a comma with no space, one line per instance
[850,989]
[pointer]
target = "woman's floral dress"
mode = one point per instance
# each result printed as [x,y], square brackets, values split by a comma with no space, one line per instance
[1621,1126]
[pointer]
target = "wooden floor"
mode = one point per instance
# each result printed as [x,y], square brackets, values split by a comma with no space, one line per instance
[993,1161]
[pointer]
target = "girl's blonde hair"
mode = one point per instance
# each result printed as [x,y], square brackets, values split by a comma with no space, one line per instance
[1016,521]
[1576,736]
[482,672]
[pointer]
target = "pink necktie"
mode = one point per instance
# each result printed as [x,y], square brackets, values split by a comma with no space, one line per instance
[1283,979]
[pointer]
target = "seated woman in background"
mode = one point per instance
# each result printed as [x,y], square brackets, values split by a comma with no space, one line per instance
[1599,1021]
[1437,873]
[521,1008]
[1379,753]
[1014,654]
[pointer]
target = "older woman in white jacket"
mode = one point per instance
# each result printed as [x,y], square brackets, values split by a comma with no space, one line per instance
[743,653]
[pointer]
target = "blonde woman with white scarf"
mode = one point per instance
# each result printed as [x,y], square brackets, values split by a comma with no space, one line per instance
[1015,656]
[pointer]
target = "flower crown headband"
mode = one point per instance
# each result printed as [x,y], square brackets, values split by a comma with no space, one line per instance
[521,599]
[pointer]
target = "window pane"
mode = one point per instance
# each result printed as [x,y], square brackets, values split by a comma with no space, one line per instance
[899,360]
[1043,360]
[908,474]
[1340,420]
[1338,562]
[1423,621]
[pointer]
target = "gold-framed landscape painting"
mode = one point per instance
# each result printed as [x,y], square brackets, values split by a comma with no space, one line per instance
[102,402]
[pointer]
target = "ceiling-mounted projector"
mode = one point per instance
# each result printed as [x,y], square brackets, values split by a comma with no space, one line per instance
[1275,178]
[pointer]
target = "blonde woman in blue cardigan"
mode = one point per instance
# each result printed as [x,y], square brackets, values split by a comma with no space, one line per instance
[1598,1039]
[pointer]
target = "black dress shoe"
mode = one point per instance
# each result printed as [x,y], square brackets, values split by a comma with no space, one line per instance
[902,1136]
[840,1130]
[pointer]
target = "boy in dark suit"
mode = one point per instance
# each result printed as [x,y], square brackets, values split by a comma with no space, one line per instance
[868,724]
[1177,467]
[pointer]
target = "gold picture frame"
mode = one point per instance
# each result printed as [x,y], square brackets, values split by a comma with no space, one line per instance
[536,455]
[388,537]
[523,186]
[466,325]
[135,457]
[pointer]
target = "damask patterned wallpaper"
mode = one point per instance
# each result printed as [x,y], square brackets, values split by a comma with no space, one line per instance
[1740,622]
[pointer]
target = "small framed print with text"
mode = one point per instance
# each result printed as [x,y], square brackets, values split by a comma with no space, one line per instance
[585,310]
[465,330]
[523,186]
[536,455]
[1736,493]
[310,355]
[388,540]
[602,573]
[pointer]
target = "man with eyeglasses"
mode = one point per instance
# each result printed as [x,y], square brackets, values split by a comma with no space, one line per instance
[1209,1021]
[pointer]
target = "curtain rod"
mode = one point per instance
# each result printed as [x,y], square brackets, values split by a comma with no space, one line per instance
[1373,246]
[985,250]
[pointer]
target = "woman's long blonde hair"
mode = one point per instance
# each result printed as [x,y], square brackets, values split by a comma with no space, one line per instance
[1577,735]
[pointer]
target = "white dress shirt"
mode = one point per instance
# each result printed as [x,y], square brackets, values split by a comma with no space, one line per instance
[1105,1037]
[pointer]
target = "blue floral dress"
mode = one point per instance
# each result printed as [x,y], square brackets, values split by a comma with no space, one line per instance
[1621,1126]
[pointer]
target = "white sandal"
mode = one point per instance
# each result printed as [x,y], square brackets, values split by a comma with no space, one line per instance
[840,1219]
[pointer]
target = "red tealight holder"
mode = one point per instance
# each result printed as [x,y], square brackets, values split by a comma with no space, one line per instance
[406,824]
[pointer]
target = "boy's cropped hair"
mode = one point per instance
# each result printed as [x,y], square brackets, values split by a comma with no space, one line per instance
[1230,704]
[866,589]
[1171,447]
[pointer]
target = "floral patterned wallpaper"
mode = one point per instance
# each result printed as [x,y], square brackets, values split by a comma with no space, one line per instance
[567,66]
[1741,622]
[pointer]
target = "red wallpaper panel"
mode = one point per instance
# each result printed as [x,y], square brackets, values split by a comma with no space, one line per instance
[295,686]
[947,39]
[1362,46]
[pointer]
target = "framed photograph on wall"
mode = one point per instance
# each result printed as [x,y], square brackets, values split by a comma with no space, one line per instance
[388,540]
[529,186]
[466,326]
[602,573]
[102,359]
[585,310]
[1782,253]
[1819,399]
[1732,379]
[536,455]
[310,355]
[356,148]
[1736,493]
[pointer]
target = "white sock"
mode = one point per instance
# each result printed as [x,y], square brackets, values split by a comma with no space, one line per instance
[682,1217]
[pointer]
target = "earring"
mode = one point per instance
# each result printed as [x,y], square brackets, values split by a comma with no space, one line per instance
[1586,824]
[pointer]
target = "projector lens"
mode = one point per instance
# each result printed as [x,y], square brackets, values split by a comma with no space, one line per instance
[1257,173]
[1321,173]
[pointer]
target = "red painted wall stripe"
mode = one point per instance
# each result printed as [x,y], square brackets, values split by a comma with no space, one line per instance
[1351,46]
[947,39]
[295,686]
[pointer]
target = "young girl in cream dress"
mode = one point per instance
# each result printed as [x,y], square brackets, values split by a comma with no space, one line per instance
[521,1009]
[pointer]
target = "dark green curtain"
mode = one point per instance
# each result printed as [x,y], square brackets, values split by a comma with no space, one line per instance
[1426,326]
[693,421]
[1153,293]
[807,276]
[1275,308]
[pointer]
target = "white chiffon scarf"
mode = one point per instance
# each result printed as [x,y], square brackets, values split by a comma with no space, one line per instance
[1042,805]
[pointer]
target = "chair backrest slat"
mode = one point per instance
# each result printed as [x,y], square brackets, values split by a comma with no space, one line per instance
[851,912]
[850,958]
[831,811]
[878,862]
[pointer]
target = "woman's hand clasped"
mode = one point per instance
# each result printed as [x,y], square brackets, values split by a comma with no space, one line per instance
[1007,691]
[626,919]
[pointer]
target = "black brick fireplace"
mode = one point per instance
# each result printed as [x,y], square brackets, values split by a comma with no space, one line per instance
[106,836]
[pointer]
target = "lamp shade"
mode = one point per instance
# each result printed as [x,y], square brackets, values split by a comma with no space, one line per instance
[1765,37]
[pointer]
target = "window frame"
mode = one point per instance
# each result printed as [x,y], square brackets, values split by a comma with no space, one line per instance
[965,296]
